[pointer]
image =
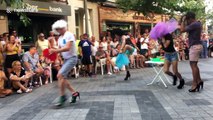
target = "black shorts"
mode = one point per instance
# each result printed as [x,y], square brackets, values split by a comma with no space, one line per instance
[86,60]
[143,51]
[10,59]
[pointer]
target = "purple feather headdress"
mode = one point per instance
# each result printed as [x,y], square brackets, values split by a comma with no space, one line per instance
[163,28]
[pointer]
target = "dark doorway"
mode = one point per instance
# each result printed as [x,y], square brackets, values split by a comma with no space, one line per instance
[119,28]
[28,34]
[144,26]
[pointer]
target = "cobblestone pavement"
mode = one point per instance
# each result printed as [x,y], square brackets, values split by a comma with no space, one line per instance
[111,98]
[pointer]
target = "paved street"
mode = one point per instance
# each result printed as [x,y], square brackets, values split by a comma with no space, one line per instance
[111,98]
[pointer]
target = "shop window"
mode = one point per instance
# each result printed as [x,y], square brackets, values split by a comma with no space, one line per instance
[119,28]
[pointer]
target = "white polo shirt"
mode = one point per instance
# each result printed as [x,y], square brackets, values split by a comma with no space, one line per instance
[63,39]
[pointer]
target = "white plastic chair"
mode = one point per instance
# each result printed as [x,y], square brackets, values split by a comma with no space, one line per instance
[75,72]
[101,64]
[51,76]
[40,80]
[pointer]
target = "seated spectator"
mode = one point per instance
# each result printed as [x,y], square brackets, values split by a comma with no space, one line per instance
[31,62]
[41,44]
[144,48]
[154,48]
[3,41]
[186,51]
[114,43]
[3,92]
[1,54]
[113,52]
[45,62]
[101,54]
[181,50]
[5,38]
[20,78]
[58,62]
[56,66]
[104,43]
[141,58]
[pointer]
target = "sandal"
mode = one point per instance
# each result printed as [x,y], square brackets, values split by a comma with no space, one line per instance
[2,96]
[19,91]
[46,82]
[28,90]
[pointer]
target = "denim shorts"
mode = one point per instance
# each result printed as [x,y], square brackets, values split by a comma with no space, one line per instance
[171,57]
[68,65]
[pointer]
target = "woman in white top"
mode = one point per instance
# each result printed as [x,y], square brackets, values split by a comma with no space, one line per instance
[114,43]
[104,43]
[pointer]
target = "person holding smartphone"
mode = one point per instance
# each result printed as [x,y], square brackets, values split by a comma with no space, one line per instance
[13,49]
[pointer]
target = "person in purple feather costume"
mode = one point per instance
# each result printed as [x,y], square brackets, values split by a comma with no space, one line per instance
[163,31]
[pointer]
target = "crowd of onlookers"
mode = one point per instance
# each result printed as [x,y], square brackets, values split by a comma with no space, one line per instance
[21,71]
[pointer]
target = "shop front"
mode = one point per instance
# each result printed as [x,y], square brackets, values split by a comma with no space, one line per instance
[117,22]
[119,28]
[41,14]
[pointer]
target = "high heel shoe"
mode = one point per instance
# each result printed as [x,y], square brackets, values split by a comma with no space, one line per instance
[197,89]
[61,101]
[174,80]
[127,76]
[201,84]
[74,97]
[182,83]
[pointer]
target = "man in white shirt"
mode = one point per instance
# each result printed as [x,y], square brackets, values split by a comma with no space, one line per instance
[95,45]
[67,48]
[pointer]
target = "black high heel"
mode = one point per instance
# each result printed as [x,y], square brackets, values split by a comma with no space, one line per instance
[182,83]
[201,84]
[127,76]
[74,97]
[174,80]
[197,89]
[61,101]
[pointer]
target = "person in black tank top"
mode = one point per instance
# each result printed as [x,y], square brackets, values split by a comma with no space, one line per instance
[171,58]
[20,78]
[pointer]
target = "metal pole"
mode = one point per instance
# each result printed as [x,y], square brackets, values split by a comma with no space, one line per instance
[86,17]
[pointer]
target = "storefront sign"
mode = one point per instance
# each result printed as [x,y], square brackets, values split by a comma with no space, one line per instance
[142,18]
[41,8]
[117,15]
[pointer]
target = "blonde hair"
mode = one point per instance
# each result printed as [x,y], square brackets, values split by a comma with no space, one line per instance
[14,63]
